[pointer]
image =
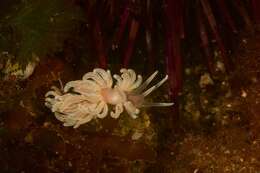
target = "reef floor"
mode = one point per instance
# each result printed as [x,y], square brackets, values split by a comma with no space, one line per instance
[216,131]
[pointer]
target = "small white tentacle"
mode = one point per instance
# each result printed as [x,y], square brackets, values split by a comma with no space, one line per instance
[147,92]
[102,110]
[131,109]
[157,104]
[146,83]
[118,110]
[106,76]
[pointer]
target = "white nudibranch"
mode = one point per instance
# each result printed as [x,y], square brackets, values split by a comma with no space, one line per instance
[82,100]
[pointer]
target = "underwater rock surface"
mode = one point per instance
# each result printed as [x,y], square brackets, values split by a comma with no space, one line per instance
[216,130]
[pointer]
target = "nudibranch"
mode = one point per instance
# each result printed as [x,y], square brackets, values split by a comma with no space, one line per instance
[81,101]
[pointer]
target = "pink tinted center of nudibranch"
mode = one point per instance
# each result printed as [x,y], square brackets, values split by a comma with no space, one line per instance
[136,99]
[113,96]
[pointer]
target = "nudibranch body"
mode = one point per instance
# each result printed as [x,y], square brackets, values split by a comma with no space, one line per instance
[82,100]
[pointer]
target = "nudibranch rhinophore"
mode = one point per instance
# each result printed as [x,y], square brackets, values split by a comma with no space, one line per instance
[82,100]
